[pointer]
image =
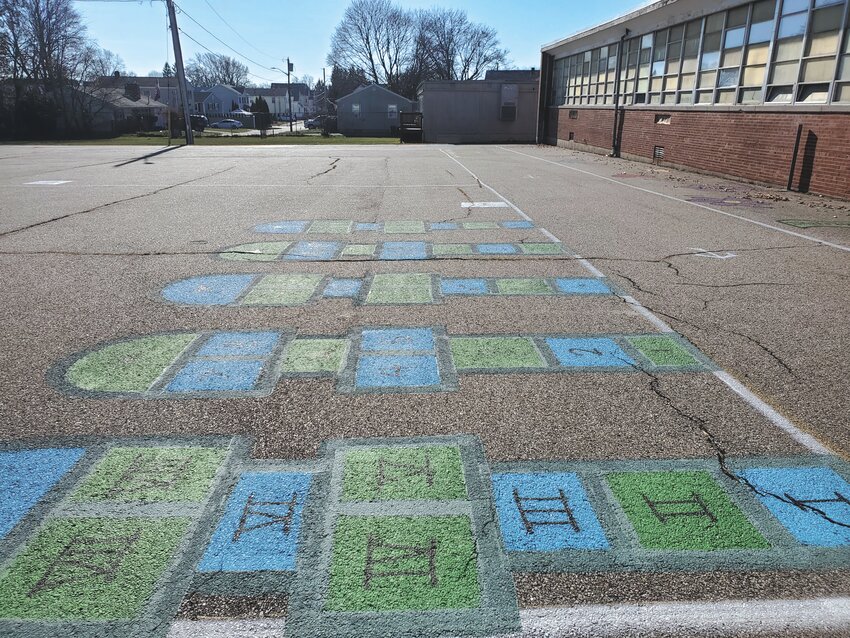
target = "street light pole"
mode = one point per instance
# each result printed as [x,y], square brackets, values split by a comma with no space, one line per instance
[289,68]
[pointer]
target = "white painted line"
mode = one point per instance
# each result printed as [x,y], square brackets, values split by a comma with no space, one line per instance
[684,201]
[226,629]
[803,438]
[550,236]
[713,618]
[49,182]
[484,205]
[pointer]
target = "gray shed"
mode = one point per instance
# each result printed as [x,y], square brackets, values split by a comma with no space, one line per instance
[480,111]
[371,111]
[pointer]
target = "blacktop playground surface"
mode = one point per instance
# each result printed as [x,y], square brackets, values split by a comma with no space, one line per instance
[418,391]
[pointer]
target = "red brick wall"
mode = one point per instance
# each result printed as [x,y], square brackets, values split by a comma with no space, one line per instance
[752,145]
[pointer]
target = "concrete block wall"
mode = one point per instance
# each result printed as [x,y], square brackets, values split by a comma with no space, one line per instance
[756,145]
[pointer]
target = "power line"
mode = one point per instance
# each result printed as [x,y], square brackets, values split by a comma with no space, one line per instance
[241,55]
[206,48]
[229,26]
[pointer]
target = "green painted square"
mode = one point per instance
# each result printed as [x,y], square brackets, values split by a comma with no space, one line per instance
[418,563]
[131,366]
[443,250]
[432,473]
[154,474]
[90,569]
[359,250]
[531,286]
[495,352]
[664,351]
[330,226]
[283,290]
[541,249]
[480,225]
[262,251]
[315,355]
[683,511]
[399,227]
[400,288]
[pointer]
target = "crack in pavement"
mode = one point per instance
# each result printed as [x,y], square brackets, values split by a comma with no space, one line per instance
[108,204]
[332,167]
[754,283]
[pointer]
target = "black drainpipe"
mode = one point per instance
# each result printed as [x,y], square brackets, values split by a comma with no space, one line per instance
[615,142]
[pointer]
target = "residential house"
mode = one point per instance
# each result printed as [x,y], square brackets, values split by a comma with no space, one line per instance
[162,90]
[371,110]
[112,110]
[220,100]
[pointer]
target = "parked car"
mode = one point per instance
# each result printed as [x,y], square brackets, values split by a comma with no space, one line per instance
[226,124]
[313,123]
[199,122]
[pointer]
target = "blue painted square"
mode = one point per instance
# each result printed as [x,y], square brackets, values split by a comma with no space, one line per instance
[26,476]
[282,228]
[596,352]
[522,224]
[260,527]
[396,250]
[239,344]
[216,376]
[583,286]
[367,226]
[444,226]
[572,526]
[397,371]
[496,249]
[313,251]
[343,288]
[801,491]
[393,340]
[463,286]
[214,290]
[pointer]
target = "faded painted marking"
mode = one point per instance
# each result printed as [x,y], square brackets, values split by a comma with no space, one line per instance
[701,252]
[484,205]
[49,182]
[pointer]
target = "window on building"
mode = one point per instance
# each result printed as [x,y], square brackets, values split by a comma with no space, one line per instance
[392,111]
[355,109]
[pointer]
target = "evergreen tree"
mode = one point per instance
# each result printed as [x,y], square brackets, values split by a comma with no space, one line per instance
[167,72]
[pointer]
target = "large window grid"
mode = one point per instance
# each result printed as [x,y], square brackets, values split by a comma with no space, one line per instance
[764,52]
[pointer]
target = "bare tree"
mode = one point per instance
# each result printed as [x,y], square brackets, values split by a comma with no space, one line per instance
[376,36]
[457,49]
[209,69]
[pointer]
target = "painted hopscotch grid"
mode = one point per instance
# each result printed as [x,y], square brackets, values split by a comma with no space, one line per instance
[253,550]
[390,534]
[683,515]
[374,359]
[110,550]
[392,227]
[293,290]
[384,251]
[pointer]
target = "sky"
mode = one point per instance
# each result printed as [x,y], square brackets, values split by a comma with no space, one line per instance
[267,31]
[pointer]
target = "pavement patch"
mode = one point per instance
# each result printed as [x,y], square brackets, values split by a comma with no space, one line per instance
[384,289]
[386,251]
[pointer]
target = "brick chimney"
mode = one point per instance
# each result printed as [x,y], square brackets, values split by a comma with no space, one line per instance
[132,91]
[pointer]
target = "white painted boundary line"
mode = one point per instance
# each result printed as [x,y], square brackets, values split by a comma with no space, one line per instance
[803,438]
[721,618]
[683,201]
[226,629]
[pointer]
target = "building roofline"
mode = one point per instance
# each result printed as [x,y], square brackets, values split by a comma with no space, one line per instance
[622,19]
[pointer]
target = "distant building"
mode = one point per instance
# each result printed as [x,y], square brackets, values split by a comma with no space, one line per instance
[149,88]
[114,111]
[218,101]
[501,108]
[371,110]
[758,90]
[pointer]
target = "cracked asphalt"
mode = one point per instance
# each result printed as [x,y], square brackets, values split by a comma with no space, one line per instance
[82,263]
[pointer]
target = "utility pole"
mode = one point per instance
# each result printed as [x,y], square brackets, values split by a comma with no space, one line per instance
[325,85]
[181,76]
[289,69]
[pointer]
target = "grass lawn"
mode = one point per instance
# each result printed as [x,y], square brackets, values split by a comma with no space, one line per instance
[220,140]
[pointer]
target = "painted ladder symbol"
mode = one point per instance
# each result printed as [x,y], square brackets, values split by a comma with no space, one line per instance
[84,558]
[695,500]
[254,509]
[400,554]
[390,471]
[565,509]
[146,473]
